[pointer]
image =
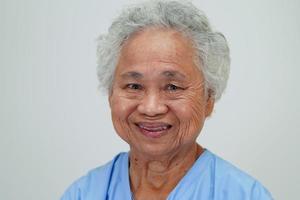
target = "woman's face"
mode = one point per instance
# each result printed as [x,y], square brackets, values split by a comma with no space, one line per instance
[158,101]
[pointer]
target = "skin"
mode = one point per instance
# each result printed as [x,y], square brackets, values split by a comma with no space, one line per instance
[158,107]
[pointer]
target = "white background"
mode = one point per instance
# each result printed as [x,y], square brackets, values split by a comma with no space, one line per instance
[55,126]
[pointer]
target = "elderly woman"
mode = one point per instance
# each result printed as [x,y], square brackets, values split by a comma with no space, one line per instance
[164,68]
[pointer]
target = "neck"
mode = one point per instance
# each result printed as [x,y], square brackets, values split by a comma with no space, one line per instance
[159,175]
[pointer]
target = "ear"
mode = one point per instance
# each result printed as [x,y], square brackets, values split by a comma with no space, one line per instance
[210,102]
[110,93]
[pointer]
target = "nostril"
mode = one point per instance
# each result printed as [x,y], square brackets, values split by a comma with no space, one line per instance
[152,106]
[154,110]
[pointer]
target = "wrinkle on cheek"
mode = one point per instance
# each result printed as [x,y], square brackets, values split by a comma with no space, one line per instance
[184,131]
[193,105]
[198,116]
[124,130]
[121,104]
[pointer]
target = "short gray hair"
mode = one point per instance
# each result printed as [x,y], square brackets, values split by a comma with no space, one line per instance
[211,47]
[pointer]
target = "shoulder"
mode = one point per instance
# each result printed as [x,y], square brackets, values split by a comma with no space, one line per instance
[94,183]
[233,183]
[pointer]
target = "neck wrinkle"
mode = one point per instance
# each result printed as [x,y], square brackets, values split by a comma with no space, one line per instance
[161,176]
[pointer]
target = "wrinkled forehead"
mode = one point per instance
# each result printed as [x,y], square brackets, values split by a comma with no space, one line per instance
[153,48]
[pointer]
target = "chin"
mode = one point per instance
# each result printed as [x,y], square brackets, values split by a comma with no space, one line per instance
[153,150]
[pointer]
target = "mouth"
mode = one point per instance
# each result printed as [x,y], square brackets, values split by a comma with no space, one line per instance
[153,130]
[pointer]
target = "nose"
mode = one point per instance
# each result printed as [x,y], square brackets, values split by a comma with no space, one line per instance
[152,105]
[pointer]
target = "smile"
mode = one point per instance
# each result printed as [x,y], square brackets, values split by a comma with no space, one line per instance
[153,130]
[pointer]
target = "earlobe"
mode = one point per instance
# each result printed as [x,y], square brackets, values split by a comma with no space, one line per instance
[209,106]
[110,98]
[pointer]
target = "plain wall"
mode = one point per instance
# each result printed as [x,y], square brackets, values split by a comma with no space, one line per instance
[55,125]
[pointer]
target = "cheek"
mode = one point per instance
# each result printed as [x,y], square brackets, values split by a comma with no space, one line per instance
[121,106]
[191,114]
[121,109]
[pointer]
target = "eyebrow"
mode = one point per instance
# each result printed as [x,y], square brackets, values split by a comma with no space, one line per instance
[173,74]
[132,74]
[170,74]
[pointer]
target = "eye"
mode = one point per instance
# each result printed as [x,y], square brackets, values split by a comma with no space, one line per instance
[134,86]
[172,88]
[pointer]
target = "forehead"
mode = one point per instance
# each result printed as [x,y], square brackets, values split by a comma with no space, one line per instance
[156,49]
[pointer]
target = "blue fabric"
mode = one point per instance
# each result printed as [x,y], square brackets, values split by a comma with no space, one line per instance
[210,178]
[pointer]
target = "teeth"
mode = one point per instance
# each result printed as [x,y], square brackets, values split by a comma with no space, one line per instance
[160,128]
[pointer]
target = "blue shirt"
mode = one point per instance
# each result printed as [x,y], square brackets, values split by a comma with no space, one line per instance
[210,178]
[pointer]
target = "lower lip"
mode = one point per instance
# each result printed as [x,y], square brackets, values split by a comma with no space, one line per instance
[153,134]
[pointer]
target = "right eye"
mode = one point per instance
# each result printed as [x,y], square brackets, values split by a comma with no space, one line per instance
[134,86]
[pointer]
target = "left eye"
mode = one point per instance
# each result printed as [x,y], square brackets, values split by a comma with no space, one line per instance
[172,87]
